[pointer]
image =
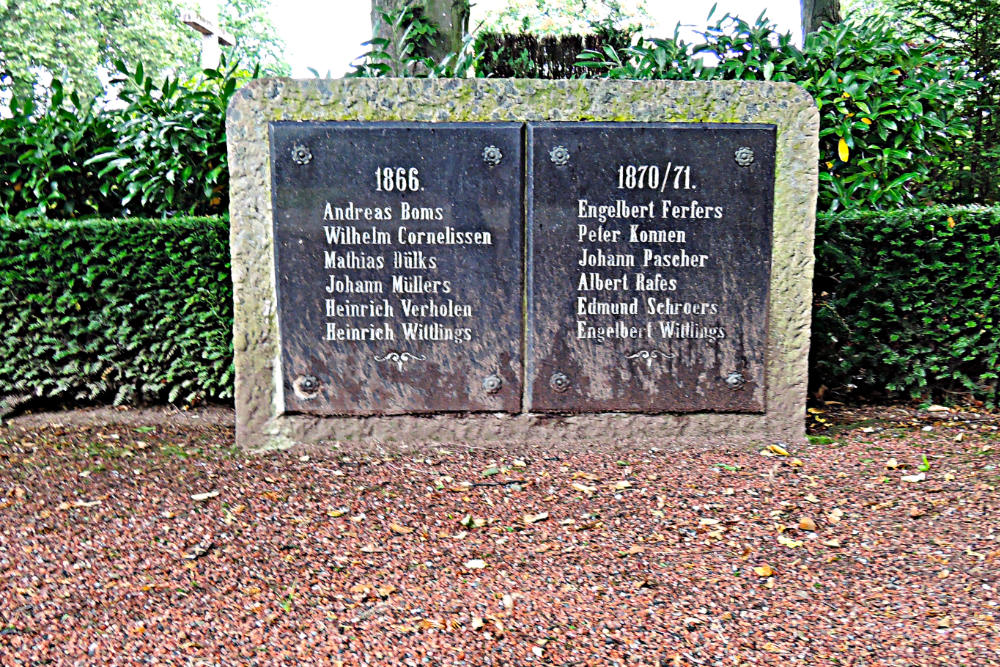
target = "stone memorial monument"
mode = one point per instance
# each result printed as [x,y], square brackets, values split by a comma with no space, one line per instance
[532,261]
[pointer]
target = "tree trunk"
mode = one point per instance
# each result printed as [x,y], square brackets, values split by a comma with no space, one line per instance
[817,12]
[451,17]
[452,20]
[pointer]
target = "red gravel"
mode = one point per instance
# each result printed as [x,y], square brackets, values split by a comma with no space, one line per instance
[105,557]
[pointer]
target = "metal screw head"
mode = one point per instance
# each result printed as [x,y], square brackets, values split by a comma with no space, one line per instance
[492,383]
[559,156]
[744,156]
[301,154]
[492,155]
[735,380]
[559,382]
[306,386]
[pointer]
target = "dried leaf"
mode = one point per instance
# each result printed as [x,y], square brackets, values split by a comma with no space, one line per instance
[583,488]
[400,530]
[477,622]
[784,540]
[475,564]
[805,523]
[624,484]
[764,571]
[337,512]
[199,497]
[631,551]
[833,543]
[777,449]
[535,518]
[919,477]
[811,498]
[892,464]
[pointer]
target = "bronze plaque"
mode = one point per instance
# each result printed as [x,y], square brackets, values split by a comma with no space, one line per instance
[649,250]
[398,255]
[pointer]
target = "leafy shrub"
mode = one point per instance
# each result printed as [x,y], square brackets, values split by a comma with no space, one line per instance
[122,310]
[43,153]
[906,303]
[168,149]
[888,118]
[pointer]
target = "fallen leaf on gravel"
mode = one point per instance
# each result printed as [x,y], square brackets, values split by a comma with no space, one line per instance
[789,542]
[835,515]
[370,549]
[542,548]
[796,463]
[199,497]
[777,449]
[937,408]
[535,518]
[892,464]
[948,477]
[87,503]
[386,591]
[537,650]
[771,648]
[805,523]
[834,543]
[584,475]
[944,622]
[198,550]
[400,530]
[470,521]
[337,512]
[919,477]
[709,522]
[624,484]
[811,498]
[477,623]
[764,571]
[632,550]
[489,472]
[518,463]
[916,512]
[475,564]
[583,488]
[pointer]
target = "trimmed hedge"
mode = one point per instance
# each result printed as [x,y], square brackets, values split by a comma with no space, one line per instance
[116,310]
[906,303]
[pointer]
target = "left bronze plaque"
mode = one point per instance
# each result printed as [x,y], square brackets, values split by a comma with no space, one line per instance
[398,260]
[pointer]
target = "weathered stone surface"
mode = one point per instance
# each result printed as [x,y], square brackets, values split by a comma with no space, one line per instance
[398,266]
[261,420]
[649,252]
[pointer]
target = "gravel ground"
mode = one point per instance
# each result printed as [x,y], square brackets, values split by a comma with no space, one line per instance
[159,543]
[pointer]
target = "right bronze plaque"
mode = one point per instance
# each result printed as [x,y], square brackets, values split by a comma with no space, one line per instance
[648,262]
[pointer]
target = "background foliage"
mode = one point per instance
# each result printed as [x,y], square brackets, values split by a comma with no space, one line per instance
[119,310]
[163,153]
[889,119]
[527,56]
[78,41]
[906,303]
